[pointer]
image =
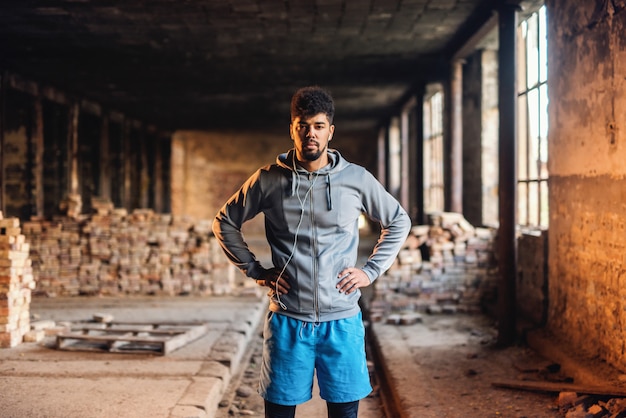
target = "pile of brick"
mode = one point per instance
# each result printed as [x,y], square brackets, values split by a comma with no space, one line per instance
[113,252]
[572,405]
[16,283]
[447,266]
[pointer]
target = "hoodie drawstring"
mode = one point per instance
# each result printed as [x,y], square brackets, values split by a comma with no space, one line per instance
[293,183]
[294,187]
[329,199]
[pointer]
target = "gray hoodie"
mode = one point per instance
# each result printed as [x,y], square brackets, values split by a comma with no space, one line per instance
[311,225]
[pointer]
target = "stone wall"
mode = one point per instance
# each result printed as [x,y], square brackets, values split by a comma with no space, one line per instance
[587,272]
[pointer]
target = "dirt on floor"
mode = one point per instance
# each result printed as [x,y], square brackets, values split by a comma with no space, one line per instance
[451,363]
[452,366]
[448,366]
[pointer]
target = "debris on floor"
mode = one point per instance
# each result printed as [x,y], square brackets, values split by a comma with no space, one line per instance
[444,268]
[102,334]
[114,252]
[129,337]
[575,400]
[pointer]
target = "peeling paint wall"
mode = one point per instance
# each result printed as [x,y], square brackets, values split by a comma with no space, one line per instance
[587,239]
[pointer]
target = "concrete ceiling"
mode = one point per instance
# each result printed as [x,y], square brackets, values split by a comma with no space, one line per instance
[196,64]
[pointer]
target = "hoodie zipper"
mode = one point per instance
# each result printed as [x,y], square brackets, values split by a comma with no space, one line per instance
[316,302]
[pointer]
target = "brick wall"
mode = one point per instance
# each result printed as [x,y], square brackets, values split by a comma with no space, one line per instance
[587,61]
[208,167]
[16,283]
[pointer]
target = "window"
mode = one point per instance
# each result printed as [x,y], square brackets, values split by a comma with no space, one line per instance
[433,152]
[532,187]
[395,158]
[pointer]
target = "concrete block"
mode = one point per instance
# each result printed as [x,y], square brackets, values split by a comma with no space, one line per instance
[42,324]
[203,393]
[34,336]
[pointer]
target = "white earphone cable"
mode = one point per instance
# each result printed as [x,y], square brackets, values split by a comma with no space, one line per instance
[295,237]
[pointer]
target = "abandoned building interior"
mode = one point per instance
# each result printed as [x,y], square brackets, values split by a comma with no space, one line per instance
[124,124]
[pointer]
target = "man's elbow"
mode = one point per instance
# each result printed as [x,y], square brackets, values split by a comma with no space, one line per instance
[217,226]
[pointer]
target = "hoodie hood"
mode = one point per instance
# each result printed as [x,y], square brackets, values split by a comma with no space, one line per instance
[287,160]
[336,162]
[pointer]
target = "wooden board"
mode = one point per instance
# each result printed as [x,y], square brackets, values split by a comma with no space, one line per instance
[128,337]
[541,386]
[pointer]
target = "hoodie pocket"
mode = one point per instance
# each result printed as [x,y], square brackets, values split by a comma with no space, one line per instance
[331,300]
[335,301]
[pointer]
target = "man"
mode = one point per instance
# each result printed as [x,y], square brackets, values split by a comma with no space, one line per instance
[312,199]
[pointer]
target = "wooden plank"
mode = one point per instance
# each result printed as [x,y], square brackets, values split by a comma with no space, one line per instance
[541,386]
[112,346]
[182,339]
[121,329]
[109,337]
[141,324]
[155,337]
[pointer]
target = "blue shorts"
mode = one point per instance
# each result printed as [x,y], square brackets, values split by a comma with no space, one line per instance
[294,350]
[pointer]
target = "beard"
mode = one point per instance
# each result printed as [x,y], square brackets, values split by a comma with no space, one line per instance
[313,155]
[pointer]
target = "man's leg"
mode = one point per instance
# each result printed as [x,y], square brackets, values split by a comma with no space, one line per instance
[341,363]
[274,410]
[343,410]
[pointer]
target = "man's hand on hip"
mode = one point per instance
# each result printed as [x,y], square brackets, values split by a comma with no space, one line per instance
[271,278]
[352,278]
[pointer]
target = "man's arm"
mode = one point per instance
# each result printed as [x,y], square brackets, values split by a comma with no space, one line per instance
[241,207]
[395,225]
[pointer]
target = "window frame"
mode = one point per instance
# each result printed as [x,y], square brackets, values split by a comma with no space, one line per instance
[434,175]
[532,173]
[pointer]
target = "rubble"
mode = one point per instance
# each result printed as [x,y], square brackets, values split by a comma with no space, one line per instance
[450,267]
[445,267]
[112,252]
[574,399]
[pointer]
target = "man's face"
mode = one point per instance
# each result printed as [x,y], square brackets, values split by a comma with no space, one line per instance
[311,136]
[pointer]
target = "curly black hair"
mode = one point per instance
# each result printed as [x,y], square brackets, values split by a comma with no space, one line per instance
[309,101]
